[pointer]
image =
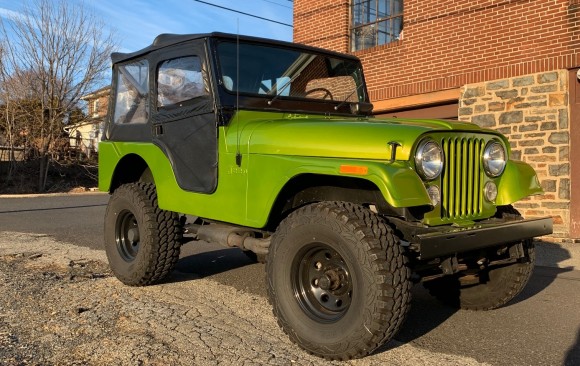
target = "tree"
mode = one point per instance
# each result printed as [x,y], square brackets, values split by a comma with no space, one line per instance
[59,51]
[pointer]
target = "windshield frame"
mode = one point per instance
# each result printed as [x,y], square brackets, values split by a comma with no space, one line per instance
[277,101]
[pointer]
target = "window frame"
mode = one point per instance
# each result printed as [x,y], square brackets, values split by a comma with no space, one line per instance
[96,108]
[390,19]
[283,92]
[117,117]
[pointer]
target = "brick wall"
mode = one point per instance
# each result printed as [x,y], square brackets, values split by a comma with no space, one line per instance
[508,57]
[103,102]
[449,43]
[532,112]
[322,23]
[102,96]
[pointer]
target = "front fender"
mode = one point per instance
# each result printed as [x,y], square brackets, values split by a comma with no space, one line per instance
[518,181]
[398,183]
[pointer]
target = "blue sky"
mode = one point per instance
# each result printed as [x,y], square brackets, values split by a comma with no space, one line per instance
[137,22]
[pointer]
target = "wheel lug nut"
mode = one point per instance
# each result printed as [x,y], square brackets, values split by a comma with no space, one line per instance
[324,282]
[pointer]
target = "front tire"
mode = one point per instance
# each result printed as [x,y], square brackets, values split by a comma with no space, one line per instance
[497,285]
[338,280]
[142,241]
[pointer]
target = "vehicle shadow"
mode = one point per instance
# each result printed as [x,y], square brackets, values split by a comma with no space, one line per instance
[228,266]
[549,257]
[426,313]
[573,355]
[210,263]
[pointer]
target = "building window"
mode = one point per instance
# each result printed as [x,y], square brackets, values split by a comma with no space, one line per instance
[96,108]
[375,22]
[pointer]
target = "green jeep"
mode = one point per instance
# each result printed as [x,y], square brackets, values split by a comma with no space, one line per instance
[271,147]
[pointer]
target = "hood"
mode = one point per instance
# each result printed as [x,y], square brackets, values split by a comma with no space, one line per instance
[336,138]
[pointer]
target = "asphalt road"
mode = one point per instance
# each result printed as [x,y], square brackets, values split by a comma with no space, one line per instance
[540,327]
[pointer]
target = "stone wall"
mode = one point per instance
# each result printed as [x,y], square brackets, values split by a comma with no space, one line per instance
[532,111]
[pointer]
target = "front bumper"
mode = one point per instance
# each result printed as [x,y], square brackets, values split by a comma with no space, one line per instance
[483,235]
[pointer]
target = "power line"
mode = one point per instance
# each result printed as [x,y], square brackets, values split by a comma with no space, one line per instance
[247,14]
[275,3]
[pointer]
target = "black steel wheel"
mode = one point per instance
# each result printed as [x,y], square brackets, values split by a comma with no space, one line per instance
[321,282]
[127,235]
[338,280]
[142,242]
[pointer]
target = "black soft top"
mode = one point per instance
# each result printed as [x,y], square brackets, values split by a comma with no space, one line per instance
[166,39]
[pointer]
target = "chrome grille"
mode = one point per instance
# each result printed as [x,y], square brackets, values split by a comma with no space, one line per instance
[462,193]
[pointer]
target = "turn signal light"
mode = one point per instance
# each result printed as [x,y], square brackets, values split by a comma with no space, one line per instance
[354,169]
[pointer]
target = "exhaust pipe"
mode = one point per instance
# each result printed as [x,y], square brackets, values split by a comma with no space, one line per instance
[231,236]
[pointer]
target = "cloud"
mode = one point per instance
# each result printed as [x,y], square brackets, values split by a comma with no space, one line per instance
[10,14]
[138,22]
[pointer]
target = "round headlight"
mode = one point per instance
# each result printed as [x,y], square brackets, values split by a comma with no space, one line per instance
[494,159]
[429,160]
[490,191]
[434,194]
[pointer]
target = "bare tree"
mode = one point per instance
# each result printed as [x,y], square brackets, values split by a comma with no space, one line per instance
[60,52]
[9,115]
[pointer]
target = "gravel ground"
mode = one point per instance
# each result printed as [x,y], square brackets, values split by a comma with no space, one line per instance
[59,305]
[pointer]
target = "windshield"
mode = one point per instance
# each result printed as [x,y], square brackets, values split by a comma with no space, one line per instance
[280,73]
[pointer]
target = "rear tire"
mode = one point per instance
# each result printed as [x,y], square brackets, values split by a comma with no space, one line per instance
[142,241]
[498,285]
[338,280]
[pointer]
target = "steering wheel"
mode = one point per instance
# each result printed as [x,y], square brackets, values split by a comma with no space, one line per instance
[326,92]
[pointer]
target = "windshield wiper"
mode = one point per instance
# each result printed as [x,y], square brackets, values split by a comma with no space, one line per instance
[283,88]
[348,97]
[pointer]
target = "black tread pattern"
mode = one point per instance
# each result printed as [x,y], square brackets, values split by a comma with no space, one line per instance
[383,263]
[503,284]
[160,233]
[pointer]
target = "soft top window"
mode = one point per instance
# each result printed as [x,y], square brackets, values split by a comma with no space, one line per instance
[179,80]
[286,73]
[131,97]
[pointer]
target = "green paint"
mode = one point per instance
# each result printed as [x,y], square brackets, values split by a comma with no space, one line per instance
[278,147]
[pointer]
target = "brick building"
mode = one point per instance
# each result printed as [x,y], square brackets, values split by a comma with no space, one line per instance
[509,65]
[98,102]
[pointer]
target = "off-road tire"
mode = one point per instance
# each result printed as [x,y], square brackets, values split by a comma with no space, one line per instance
[133,213]
[373,271]
[498,285]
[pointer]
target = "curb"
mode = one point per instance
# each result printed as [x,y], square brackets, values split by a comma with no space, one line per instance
[64,194]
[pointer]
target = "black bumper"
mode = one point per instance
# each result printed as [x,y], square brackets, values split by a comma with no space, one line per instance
[460,240]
